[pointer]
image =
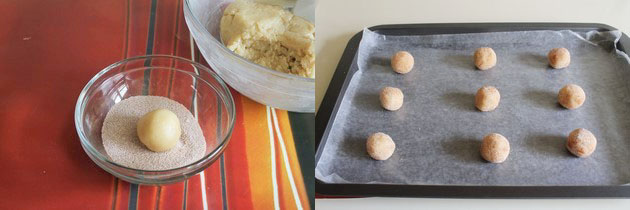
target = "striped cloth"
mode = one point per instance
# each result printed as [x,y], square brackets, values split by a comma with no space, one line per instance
[50,49]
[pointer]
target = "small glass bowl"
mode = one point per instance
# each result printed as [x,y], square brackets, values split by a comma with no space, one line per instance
[179,79]
[264,85]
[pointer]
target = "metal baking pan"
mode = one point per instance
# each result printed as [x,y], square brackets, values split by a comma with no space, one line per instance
[347,68]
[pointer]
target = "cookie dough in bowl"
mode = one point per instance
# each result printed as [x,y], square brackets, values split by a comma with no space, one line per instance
[262,84]
[270,36]
[110,106]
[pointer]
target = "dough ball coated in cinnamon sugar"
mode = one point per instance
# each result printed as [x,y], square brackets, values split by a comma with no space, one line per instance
[391,98]
[495,148]
[559,58]
[581,142]
[380,146]
[402,62]
[487,98]
[485,58]
[571,96]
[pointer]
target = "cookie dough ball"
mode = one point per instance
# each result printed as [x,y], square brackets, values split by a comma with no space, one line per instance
[485,58]
[559,58]
[487,98]
[391,98]
[495,148]
[380,146]
[159,130]
[581,142]
[402,62]
[571,96]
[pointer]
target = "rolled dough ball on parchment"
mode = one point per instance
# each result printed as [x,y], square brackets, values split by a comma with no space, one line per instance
[571,96]
[581,142]
[485,58]
[391,98]
[159,130]
[380,146]
[487,98]
[402,62]
[559,58]
[495,148]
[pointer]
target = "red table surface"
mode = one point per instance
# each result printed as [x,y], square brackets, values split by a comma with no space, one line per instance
[48,52]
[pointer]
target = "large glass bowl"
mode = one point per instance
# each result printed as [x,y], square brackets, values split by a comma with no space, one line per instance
[179,79]
[273,88]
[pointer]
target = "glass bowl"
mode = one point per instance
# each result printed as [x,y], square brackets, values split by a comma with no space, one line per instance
[266,86]
[179,79]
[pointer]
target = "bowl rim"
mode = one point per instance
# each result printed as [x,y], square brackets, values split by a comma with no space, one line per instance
[211,157]
[206,33]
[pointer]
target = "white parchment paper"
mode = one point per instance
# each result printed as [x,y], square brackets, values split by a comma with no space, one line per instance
[438,131]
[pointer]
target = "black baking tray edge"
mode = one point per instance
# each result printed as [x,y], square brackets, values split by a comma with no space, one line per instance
[344,72]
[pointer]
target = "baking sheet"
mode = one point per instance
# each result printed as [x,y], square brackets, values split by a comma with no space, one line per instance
[438,130]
